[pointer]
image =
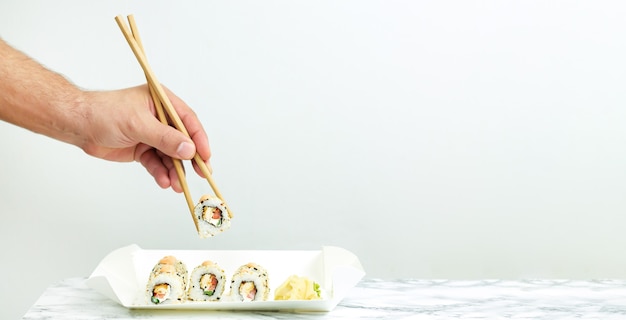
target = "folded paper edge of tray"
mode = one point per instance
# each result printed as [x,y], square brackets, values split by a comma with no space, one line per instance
[342,271]
[114,274]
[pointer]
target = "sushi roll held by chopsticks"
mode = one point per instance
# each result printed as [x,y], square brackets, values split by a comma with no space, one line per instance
[217,220]
[212,215]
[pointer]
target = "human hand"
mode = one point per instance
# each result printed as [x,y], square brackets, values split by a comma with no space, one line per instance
[120,125]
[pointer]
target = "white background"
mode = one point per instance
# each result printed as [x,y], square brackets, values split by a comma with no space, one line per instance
[434,139]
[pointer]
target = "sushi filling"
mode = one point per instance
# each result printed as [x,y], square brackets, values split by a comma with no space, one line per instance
[160,293]
[208,283]
[247,290]
[213,216]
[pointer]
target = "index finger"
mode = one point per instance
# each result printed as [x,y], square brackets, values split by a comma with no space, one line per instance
[192,124]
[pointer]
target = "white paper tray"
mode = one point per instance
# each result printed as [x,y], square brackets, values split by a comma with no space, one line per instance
[122,275]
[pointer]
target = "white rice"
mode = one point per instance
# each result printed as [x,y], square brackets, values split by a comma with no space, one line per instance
[177,282]
[196,293]
[254,273]
[177,288]
[211,227]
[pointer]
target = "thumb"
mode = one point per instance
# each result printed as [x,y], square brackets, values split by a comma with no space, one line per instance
[167,140]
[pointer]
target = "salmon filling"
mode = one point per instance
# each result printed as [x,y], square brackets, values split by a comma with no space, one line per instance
[160,293]
[212,215]
[208,283]
[247,290]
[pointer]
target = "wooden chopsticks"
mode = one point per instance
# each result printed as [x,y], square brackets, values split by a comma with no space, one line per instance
[161,102]
[161,115]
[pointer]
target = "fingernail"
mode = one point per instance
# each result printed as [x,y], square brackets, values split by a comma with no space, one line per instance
[186,150]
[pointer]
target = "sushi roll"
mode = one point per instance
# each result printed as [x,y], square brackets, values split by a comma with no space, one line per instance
[207,282]
[167,282]
[250,283]
[212,215]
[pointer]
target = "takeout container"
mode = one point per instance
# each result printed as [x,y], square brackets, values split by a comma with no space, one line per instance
[122,275]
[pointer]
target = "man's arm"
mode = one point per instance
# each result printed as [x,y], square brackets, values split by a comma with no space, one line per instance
[38,99]
[117,125]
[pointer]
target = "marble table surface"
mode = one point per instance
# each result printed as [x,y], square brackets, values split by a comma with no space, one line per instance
[384,299]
